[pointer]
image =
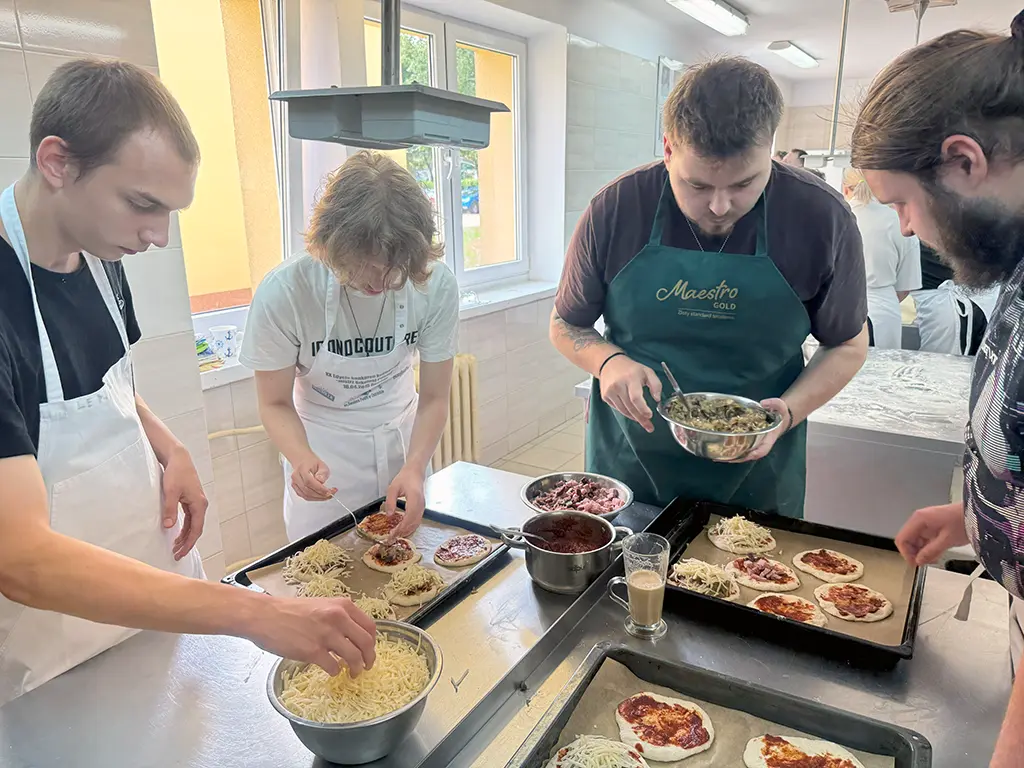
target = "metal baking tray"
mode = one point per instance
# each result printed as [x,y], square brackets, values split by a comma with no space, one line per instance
[908,749]
[464,579]
[683,521]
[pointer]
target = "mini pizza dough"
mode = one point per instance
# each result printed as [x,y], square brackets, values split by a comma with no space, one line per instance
[413,585]
[853,602]
[663,729]
[793,750]
[379,525]
[704,579]
[741,537]
[593,749]
[460,551]
[776,576]
[412,557]
[792,607]
[829,565]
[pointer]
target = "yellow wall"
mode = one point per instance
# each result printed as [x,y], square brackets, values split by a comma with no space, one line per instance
[495,80]
[211,58]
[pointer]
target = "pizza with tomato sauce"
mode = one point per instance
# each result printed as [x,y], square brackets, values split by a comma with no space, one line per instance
[853,602]
[462,550]
[388,558]
[790,607]
[829,565]
[763,574]
[663,729]
[379,525]
[794,752]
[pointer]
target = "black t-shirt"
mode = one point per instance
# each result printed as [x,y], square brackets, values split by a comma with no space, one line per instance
[813,240]
[85,341]
[933,272]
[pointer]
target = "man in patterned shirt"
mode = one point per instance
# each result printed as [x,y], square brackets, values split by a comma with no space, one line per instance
[941,138]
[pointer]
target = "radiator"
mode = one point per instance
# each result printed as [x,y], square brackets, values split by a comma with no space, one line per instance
[460,440]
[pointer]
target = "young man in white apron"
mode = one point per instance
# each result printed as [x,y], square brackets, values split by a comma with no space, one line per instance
[92,544]
[934,142]
[333,335]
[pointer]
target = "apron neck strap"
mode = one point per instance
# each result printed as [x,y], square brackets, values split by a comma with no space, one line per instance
[667,200]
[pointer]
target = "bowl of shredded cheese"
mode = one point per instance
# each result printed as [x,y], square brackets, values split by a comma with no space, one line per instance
[352,721]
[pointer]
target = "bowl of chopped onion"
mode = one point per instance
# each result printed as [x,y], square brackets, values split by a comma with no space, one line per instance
[352,721]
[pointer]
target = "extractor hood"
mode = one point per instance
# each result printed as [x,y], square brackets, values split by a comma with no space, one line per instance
[391,116]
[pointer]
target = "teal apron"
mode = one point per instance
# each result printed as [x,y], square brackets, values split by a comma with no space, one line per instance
[724,322]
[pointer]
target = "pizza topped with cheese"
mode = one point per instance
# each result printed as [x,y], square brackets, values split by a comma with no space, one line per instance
[596,751]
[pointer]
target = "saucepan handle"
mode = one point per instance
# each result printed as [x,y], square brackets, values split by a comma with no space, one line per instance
[621,533]
[514,541]
[611,591]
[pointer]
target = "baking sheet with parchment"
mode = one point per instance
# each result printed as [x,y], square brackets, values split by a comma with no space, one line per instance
[595,716]
[427,538]
[885,572]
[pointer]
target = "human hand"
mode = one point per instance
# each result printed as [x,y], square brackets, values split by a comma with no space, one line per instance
[931,531]
[181,485]
[775,405]
[408,483]
[312,629]
[622,387]
[309,477]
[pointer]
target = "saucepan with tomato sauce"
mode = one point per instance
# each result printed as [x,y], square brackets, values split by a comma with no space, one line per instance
[574,548]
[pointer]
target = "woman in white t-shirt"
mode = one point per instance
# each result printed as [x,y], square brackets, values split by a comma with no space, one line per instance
[893,262]
[332,336]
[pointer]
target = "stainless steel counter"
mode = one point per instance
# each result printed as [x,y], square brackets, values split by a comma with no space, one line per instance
[159,700]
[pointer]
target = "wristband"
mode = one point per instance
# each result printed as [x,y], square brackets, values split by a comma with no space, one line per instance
[612,356]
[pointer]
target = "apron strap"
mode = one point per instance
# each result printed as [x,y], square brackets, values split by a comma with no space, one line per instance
[102,279]
[667,200]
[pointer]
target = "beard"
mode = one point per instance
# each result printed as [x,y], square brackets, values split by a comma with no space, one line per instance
[980,239]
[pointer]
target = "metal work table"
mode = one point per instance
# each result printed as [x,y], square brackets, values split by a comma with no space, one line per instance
[160,700]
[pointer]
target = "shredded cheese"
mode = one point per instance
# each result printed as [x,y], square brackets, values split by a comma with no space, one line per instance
[324,585]
[740,532]
[316,560]
[596,752]
[414,579]
[398,676]
[375,608]
[705,578]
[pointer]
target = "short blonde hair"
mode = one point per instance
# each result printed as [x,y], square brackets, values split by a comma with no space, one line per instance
[373,210]
[855,187]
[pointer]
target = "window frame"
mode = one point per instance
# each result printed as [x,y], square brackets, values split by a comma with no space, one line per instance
[446,32]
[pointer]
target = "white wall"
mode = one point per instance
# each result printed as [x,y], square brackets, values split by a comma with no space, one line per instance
[814,93]
[166,371]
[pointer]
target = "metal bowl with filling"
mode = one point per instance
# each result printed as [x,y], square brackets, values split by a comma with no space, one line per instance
[363,741]
[718,427]
[546,484]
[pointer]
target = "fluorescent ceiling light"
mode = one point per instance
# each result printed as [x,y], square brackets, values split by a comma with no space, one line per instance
[718,15]
[794,55]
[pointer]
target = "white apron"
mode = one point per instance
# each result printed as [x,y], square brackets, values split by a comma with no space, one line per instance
[104,487]
[358,413]
[939,312]
[886,318]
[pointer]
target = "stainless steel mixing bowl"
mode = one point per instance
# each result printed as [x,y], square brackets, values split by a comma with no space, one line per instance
[369,740]
[718,446]
[545,483]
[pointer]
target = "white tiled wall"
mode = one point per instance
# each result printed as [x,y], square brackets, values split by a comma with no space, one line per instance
[610,120]
[36,36]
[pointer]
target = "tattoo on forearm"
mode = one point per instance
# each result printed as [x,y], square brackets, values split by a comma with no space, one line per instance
[582,338]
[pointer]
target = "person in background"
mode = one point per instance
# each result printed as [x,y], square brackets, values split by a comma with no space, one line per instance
[91,538]
[940,137]
[951,320]
[892,261]
[795,158]
[332,335]
[779,156]
[718,262]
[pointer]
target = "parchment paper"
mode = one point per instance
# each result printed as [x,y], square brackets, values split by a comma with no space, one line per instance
[885,572]
[427,538]
[595,716]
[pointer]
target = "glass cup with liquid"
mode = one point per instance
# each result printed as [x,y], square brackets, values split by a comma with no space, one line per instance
[646,559]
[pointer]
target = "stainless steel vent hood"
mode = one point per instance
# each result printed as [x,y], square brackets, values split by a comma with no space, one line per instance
[392,116]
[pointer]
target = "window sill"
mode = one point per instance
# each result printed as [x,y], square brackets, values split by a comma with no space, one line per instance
[490,299]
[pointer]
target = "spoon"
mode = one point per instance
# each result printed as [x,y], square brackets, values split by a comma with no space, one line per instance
[683,399]
[512,534]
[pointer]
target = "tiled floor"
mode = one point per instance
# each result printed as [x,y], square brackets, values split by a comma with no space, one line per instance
[559,449]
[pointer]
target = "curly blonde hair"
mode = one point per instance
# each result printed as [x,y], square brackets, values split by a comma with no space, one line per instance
[373,210]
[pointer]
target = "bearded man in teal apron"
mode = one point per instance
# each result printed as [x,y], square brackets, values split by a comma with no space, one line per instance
[719,262]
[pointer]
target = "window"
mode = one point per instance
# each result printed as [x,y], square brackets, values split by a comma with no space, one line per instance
[477,193]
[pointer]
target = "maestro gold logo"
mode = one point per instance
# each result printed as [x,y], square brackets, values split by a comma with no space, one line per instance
[717,303]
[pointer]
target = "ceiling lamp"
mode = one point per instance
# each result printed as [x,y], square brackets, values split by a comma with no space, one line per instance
[716,14]
[794,55]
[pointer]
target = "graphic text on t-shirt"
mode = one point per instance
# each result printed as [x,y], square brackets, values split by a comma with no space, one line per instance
[364,347]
